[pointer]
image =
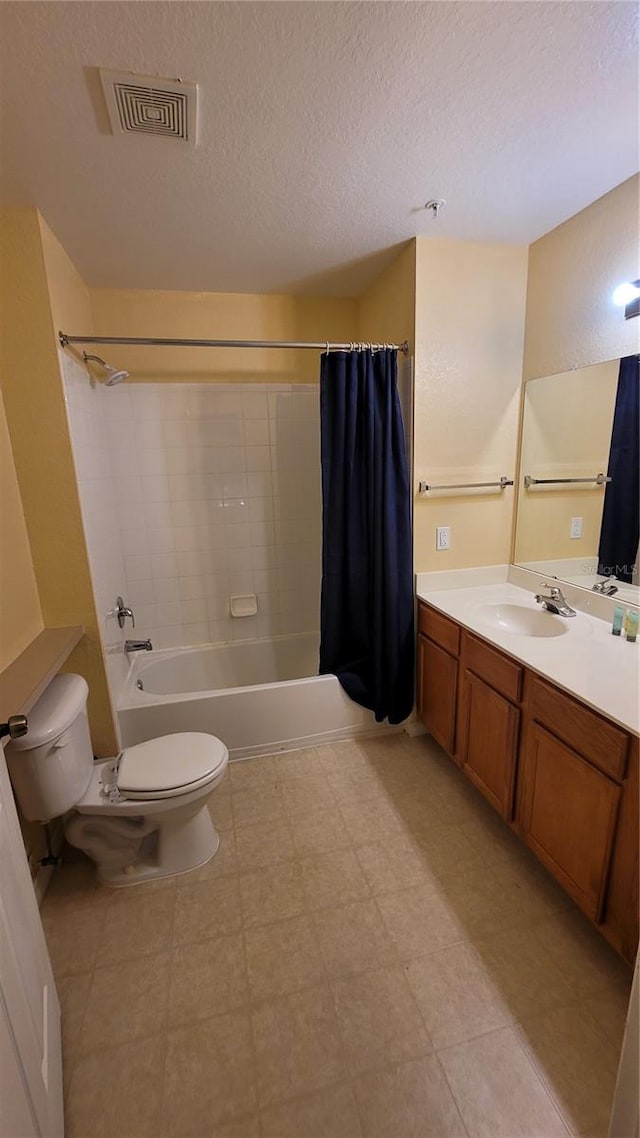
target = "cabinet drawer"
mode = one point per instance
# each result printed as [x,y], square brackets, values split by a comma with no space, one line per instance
[439,629]
[497,670]
[599,741]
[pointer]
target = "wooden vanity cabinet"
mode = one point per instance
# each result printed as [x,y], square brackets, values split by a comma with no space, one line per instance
[438,645]
[488,721]
[563,776]
[567,814]
[572,765]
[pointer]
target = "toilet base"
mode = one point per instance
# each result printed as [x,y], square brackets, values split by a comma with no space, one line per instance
[174,846]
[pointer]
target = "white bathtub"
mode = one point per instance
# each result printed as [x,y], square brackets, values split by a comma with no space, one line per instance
[257,696]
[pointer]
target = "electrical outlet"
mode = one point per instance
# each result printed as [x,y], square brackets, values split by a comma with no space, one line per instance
[575,529]
[443,537]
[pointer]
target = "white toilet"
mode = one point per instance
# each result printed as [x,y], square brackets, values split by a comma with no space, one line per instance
[138,817]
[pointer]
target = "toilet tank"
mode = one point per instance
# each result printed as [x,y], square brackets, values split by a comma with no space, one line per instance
[50,767]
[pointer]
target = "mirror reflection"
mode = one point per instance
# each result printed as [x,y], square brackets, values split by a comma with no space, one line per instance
[572,524]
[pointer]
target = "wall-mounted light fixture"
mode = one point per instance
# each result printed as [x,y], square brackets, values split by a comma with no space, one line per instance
[628,295]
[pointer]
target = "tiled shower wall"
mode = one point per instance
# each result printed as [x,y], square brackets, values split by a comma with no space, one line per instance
[216,493]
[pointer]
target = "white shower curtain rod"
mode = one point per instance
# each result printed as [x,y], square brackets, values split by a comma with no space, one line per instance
[152,341]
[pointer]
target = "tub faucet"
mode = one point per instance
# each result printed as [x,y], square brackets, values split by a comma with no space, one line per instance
[138,646]
[555,601]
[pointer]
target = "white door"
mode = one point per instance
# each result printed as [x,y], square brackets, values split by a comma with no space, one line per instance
[30,1042]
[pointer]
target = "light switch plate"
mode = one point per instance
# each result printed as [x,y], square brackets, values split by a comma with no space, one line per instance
[575,528]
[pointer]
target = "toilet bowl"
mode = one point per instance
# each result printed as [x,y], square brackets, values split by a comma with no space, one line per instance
[141,816]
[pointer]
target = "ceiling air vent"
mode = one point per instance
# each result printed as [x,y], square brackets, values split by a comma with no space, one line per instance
[147,104]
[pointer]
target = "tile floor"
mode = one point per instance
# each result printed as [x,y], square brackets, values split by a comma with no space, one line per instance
[371,954]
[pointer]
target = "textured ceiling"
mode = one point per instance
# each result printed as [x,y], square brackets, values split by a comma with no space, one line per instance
[324,129]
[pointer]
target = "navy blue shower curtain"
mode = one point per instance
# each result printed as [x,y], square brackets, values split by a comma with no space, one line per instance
[366,621]
[621,511]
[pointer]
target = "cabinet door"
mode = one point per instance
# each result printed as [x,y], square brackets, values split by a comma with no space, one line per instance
[490,742]
[437,691]
[567,812]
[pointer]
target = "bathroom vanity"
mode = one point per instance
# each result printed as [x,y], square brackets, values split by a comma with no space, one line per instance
[540,717]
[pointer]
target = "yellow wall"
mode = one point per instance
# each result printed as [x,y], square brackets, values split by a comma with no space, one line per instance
[39,284]
[470,305]
[20,612]
[218,316]
[573,270]
[386,311]
[566,434]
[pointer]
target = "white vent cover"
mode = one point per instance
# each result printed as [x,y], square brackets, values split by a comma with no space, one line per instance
[147,104]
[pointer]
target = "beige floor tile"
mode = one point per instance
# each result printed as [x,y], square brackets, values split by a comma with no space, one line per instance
[320,832]
[73,937]
[223,863]
[329,1113]
[73,993]
[419,921]
[577,1063]
[207,979]
[419,807]
[493,842]
[353,939]
[497,1090]
[530,890]
[341,756]
[444,849]
[74,884]
[138,1010]
[252,774]
[478,902]
[243,1128]
[297,764]
[392,865]
[524,972]
[272,894]
[307,794]
[138,923]
[610,1008]
[408,1101]
[333,879]
[266,843]
[283,958]
[370,820]
[257,804]
[357,784]
[457,995]
[117,1091]
[209,1074]
[208,909]
[379,1020]
[581,953]
[298,1046]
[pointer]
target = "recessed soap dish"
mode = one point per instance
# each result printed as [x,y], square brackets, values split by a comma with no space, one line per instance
[244,606]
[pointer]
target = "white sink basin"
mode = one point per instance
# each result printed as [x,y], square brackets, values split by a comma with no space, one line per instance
[523,621]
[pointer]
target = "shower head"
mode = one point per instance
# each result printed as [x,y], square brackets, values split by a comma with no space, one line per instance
[112,375]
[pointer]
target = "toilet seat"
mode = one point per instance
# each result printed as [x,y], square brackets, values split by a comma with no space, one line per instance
[169,766]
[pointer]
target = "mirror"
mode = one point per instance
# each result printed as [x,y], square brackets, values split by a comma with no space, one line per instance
[569,524]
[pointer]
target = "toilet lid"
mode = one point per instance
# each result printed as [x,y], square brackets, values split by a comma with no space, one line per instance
[171,764]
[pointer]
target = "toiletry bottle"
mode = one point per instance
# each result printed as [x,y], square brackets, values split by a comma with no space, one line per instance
[618,618]
[632,626]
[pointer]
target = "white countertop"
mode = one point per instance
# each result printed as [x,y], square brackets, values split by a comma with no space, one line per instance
[586,661]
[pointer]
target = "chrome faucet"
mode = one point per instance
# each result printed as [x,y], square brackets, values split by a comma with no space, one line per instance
[138,646]
[555,601]
[605,586]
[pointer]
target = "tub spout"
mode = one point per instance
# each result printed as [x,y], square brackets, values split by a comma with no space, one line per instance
[138,646]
